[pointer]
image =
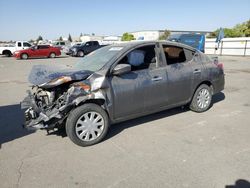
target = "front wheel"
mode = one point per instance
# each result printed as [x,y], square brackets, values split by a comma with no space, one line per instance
[202,99]
[24,56]
[52,55]
[87,125]
[80,53]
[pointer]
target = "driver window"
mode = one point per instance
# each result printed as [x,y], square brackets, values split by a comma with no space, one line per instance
[140,58]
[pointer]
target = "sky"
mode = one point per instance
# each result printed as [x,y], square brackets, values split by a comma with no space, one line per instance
[27,19]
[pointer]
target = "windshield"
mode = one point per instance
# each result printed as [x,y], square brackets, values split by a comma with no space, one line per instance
[97,59]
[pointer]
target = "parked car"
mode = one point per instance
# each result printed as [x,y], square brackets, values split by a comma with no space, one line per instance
[59,44]
[38,51]
[195,40]
[84,49]
[10,49]
[117,83]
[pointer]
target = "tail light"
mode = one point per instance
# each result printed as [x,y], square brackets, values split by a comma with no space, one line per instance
[219,65]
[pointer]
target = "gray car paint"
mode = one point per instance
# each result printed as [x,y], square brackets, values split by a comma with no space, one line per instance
[141,92]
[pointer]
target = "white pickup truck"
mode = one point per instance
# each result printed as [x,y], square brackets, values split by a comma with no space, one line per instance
[8,50]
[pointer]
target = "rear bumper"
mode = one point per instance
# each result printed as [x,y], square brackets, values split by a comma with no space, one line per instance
[219,84]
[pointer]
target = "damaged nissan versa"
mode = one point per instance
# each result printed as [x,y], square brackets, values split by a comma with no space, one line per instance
[117,83]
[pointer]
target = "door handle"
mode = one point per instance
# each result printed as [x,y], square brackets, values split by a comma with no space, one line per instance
[197,71]
[156,78]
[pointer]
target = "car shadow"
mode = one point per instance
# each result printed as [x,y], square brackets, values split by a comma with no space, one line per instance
[11,120]
[29,59]
[118,128]
[240,183]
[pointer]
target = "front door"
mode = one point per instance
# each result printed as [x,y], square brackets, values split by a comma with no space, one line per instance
[143,88]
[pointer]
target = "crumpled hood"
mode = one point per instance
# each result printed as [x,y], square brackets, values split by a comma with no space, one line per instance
[42,74]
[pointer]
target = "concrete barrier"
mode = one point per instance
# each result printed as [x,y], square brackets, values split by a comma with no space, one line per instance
[228,46]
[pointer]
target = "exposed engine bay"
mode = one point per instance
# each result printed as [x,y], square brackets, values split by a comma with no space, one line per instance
[49,102]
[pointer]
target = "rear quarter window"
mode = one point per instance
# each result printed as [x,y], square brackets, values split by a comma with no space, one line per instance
[189,54]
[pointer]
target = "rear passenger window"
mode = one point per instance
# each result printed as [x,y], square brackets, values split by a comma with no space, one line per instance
[25,44]
[19,44]
[174,54]
[189,54]
[43,47]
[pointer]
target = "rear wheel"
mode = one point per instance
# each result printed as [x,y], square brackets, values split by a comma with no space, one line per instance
[24,56]
[7,53]
[202,99]
[87,125]
[52,55]
[80,53]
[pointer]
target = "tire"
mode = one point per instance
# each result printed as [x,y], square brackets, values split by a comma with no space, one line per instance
[52,55]
[80,54]
[202,98]
[24,56]
[87,133]
[7,53]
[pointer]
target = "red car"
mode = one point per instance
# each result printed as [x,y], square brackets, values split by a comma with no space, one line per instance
[38,51]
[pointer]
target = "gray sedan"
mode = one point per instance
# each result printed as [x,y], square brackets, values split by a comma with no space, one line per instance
[117,83]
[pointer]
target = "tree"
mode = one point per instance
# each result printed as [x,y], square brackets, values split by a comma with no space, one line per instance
[239,30]
[60,38]
[127,37]
[31,41]
[69,38]
[81,35]
[39,38]
[164,35]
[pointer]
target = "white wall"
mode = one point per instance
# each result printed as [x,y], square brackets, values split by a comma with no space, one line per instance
[147,35]
[228,46]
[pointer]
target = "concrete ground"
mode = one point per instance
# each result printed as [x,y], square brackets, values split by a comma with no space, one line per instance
[175,148]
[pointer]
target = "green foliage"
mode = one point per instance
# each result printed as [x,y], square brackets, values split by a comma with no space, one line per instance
[70,38]
[239,30]
[60,38]
[165,35]
[127,37]
[31,41]
[39,38]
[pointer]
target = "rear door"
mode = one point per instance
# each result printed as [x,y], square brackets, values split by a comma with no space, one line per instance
[42,51]
[180,73]
[19,46]
[88,47]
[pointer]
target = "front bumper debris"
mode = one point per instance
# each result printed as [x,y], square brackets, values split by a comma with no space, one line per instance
[34,117]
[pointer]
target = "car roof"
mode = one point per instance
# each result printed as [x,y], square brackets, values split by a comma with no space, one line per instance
[134,44]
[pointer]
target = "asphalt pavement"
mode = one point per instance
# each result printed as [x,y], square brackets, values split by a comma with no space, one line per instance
[174,148]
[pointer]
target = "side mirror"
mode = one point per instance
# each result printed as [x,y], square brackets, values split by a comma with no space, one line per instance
[121,69]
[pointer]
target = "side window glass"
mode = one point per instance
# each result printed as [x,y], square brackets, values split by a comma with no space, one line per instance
[25,44]
[19,44]
[174,54]
[189,54]
[88,44]
[141,58]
